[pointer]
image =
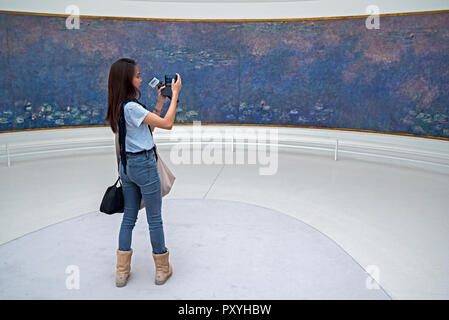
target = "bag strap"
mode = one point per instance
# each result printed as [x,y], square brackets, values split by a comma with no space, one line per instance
[118,180]
[155,152]
[149,128]
[117,151]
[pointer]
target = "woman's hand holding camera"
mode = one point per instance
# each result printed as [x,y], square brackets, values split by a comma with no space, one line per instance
[176,86]
[160,98]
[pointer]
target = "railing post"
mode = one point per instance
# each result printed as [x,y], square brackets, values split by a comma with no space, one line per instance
[7,156]
[336,149]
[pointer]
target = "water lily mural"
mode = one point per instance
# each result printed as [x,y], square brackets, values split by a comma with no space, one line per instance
[328,73]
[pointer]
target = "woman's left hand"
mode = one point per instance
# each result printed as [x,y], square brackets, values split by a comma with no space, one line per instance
[160,97]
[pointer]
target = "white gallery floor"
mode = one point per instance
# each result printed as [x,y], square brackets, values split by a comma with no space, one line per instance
[317,229]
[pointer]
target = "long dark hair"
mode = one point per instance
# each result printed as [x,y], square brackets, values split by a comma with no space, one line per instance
[120,88]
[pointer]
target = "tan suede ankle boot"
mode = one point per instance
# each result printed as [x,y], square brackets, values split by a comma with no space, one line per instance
[163,267]
[123,267]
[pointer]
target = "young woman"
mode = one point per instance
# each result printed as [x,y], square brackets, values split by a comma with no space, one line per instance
[139,176]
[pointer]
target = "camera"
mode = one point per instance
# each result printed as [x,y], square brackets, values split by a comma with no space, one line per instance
[166,92]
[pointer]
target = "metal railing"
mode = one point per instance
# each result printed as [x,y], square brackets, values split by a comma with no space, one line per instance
[335,146]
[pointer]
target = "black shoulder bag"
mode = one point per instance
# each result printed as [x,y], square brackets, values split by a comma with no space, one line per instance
[113,201]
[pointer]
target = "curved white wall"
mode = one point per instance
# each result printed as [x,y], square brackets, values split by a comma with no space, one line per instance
[225,9]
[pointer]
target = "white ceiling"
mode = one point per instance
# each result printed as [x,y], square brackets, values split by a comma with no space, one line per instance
[222,9]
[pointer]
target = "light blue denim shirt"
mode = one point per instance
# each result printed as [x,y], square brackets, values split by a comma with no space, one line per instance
[138,136]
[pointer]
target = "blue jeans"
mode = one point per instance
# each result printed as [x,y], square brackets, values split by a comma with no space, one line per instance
[142,180]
